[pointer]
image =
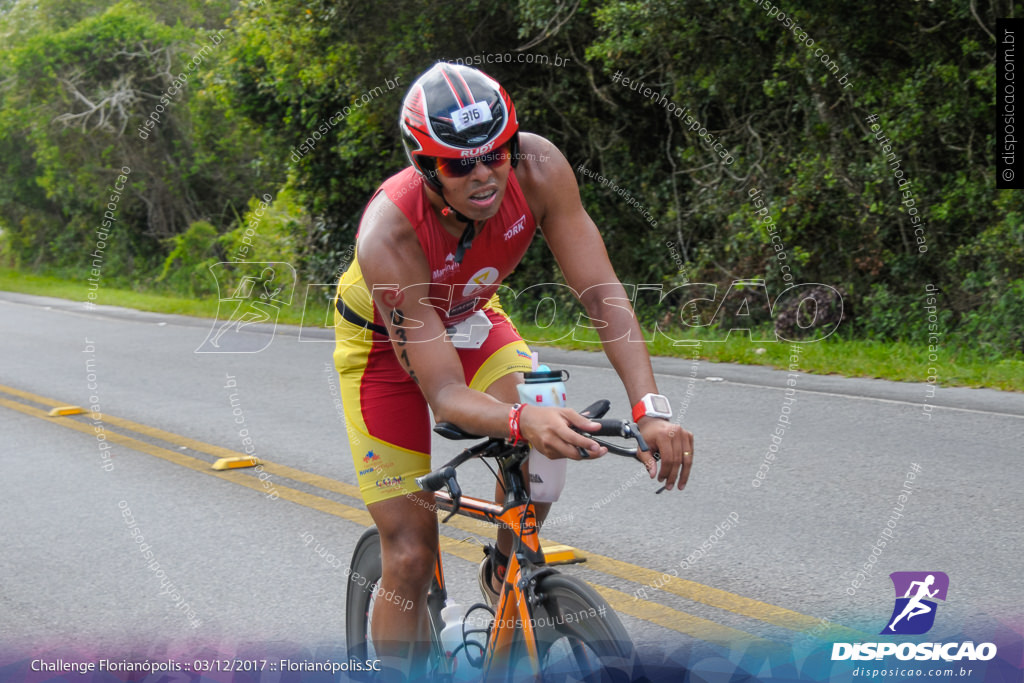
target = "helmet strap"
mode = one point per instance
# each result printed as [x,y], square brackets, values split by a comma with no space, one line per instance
[466,240]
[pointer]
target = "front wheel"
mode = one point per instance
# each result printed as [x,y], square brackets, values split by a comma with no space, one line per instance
[579,637]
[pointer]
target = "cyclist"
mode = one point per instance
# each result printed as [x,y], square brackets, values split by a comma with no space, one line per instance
[418,324]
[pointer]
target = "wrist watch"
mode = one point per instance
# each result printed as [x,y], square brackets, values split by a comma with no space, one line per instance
[652,405]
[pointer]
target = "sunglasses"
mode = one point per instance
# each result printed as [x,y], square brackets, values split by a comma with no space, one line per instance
[460,168]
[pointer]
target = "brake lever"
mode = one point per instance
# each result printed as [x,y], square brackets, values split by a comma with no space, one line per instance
[455,491]
[631,430]
[634,432]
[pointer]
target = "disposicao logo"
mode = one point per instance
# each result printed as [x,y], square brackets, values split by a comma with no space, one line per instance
[913,614]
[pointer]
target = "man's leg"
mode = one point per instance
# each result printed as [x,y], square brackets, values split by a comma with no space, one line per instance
[408,538]
[388,454]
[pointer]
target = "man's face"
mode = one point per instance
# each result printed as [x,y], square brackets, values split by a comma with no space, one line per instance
[475,187]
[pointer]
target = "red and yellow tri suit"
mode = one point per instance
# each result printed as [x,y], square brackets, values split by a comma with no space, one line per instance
[388,421]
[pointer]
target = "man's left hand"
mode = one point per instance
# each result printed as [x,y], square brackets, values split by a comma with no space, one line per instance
[675,447]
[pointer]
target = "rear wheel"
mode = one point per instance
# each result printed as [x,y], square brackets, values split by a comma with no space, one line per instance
[579,637]
[363,579]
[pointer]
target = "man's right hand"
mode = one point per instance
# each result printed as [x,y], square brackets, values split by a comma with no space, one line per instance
[548,429]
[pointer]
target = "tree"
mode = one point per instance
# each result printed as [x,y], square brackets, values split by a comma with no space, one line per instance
[100,90]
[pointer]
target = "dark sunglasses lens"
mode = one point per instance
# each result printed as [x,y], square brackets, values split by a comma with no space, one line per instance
[457,168]
[498,156]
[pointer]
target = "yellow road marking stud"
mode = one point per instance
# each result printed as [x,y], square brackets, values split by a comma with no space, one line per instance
[235,463]
[61,411]
[561,554]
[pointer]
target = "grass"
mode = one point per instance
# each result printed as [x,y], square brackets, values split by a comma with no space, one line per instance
[897,361]
[849,357]
[46,285]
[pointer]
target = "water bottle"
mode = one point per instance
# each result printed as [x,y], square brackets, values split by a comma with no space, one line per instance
[453,615]
[544,387]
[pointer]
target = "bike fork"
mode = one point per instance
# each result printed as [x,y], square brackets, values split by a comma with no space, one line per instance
[514,617]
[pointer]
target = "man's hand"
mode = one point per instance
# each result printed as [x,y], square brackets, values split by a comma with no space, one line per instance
[548,430]
[675,446]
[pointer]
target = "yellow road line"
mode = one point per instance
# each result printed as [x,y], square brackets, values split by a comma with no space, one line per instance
[218,452]
[704,629]
[698,592]
[331,507]
[696,627]
[628,604]
[324,483]
[32,397]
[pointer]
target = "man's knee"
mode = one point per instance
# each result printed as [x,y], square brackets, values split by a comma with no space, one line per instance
[410,562]
[408,534]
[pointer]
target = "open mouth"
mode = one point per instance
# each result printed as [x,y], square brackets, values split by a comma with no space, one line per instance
[484,197]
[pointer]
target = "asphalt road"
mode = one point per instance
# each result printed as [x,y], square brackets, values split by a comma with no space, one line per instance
[242,559]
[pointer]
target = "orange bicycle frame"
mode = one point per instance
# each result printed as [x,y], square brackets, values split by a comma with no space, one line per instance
[513,611]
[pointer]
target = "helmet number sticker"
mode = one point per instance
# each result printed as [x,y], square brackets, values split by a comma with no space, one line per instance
[471,115]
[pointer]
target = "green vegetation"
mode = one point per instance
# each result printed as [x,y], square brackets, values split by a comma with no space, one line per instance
[49,285]
[835,355]
[852,358]
[854,149]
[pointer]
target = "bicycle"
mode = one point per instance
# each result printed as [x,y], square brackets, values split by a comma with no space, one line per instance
[553,623]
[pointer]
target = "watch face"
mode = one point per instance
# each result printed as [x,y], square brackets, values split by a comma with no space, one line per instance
[660,404]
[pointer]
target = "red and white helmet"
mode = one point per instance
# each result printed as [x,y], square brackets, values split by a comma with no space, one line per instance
[454,111]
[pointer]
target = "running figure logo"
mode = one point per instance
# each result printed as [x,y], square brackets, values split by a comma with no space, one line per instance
[255,299]
[914,612]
